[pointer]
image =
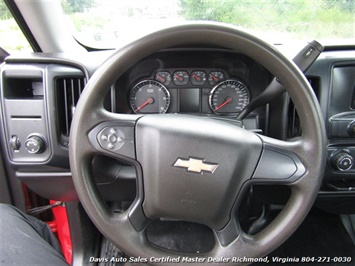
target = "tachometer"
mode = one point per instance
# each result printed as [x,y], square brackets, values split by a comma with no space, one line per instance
[149,96]
[230,96]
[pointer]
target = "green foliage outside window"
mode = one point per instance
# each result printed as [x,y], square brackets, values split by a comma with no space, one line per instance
[278,19]
[321,18]
[77,6]
[11,37]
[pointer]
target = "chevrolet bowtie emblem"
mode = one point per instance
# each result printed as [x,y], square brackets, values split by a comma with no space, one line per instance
[196,165]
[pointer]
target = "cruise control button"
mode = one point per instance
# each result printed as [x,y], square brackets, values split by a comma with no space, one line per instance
[111,138]
[117,139]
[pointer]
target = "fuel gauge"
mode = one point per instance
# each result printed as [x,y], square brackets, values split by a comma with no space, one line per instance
[163,77]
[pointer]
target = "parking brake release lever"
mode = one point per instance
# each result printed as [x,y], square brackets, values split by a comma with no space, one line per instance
[304,59]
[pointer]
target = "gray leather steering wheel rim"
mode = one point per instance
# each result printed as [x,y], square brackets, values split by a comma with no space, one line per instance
[310,147]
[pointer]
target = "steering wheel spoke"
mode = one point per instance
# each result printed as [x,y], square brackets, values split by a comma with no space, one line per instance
[281,162]
[114,138]
[113,135]
[229,233]
[137,217]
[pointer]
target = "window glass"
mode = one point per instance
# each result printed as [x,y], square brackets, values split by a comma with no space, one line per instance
[11,36]
[111,23]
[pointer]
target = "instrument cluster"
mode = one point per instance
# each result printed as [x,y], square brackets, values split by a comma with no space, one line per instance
[189,91]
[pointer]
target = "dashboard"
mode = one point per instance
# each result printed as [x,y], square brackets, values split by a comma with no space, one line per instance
[39,94]
[205,82]
[188,91]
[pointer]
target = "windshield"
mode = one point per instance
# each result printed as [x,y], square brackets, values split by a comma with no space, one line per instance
[110,24]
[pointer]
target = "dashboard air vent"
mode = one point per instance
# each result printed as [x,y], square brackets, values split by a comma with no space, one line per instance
[68,91]
[294,128]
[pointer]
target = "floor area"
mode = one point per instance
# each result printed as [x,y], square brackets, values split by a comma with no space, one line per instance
[321,238]
[320,235]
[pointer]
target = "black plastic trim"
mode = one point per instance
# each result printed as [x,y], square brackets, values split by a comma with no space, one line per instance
[20,105]
[125,130]
[5,196]
[37,58]
[268,168]
[329,48]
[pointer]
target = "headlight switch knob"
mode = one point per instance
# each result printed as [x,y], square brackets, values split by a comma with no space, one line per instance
[35,144]
[342,161]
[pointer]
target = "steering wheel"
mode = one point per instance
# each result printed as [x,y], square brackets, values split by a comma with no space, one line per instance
[194,168]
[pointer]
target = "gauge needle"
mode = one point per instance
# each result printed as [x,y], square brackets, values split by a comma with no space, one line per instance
[196,77]
[148,101]
[178,77]
[160,78]
[213,77]
[227,101]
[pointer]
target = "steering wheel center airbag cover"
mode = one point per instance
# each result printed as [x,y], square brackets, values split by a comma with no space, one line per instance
[193,167]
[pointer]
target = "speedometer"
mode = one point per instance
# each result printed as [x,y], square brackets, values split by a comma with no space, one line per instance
[149,96]
[230,96]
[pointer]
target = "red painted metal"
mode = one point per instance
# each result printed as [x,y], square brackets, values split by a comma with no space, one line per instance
[53,226]
[60,226]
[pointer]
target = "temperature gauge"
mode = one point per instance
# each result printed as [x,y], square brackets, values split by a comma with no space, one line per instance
[163,77]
